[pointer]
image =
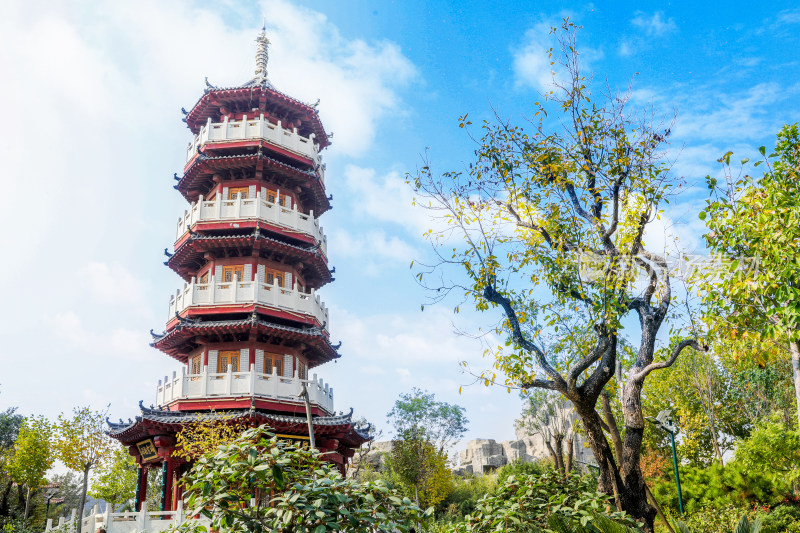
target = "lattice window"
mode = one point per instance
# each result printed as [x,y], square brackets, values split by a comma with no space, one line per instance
[283,200]
[238,192]
[196,364]
[229,271]
[272,276]
[273,360]
[228,357]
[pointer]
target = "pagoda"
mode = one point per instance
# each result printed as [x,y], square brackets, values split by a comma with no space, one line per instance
[247,326]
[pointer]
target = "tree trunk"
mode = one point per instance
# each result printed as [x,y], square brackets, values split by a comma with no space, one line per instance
[658,509]
[559,440]
[794,348]
[634,497]
[610,481]
[714,441]
[611,422]
[570,453]
[553,453]
[27,506]
[82,503]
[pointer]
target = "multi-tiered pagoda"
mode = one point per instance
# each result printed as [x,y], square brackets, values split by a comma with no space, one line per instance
[248,325]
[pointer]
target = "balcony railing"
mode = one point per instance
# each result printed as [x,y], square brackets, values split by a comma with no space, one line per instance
[255,128]
[238,384]
[126,522]
[215,294]
[252,208]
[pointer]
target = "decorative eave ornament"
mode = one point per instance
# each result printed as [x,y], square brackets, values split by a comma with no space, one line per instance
[262,55]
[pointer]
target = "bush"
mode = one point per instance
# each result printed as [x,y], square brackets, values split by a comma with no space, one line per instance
[465,495]
[720,518]
[517,467]
[717,486]
[526,502]
[783,518]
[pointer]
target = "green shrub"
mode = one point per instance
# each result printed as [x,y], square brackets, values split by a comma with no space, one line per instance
[783,518]
[527,501]
[718,486]
[465,495]
[719,518]
[517,467]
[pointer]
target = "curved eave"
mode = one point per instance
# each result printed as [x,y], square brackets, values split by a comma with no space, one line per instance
[154,421]
[189,254]
[208,106]
[198,176]
[179,340]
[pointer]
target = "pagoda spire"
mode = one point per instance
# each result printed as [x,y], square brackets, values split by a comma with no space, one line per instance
[262,54]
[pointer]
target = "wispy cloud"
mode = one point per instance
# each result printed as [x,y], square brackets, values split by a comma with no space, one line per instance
[655,25]
[531,64]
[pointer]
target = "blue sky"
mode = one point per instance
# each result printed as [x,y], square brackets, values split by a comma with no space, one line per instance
[92,136]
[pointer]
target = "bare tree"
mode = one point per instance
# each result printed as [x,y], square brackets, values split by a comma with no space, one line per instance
[549,416]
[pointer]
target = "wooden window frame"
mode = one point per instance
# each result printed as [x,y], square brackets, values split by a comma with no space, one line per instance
[196,366]
[244,193]
[232,269]
[228,356]
[273,360]
[276,274]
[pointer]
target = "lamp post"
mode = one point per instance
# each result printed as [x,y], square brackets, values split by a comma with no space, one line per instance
[664,421]
[50,496]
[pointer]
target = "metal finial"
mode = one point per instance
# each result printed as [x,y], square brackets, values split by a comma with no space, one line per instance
[262,53]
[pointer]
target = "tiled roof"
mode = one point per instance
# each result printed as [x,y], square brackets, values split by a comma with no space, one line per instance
[199,175]
[189,252]
[178,340]
[159,418]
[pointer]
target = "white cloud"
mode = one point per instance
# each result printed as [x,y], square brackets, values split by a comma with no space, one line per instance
[310,59]
[113,284]
[655,25]
[115,343]
[385,198]
[372,246]
[531,63]
[713,115]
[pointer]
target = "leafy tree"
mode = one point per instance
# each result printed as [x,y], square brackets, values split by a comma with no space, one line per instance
[9,427]
[772,449]
[419,414]
[755,225]
[115,480]
[289,489]
[697,391]
[10,423]
[82,444]
[549,415]
[31,458]
[552,222]
[195,440]
[418,465]
[423,429]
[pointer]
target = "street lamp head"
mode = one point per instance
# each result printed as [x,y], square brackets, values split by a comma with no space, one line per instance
[665,422]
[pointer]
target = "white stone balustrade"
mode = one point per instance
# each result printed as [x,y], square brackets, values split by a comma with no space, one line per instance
[255,128]
[238,384]
[131,522]
[217,210]
[237,292]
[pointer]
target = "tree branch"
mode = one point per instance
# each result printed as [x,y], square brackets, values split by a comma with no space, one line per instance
[638,377]
[492,295]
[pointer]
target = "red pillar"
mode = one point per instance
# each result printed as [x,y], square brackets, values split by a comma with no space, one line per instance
[141,485]
[171,502]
